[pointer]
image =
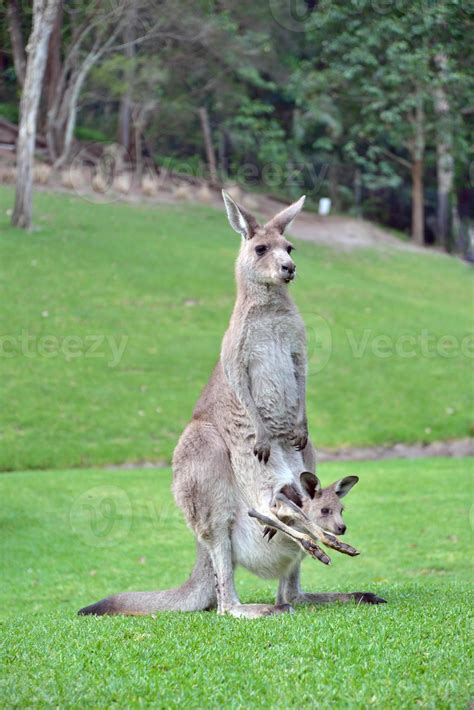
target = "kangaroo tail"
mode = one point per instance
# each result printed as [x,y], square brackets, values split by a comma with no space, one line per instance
[196,594]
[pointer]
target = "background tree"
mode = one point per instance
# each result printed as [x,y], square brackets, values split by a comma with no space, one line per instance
[17,43]
[378,64]
[92,28]
[367,102]
[453,99]
[44,14]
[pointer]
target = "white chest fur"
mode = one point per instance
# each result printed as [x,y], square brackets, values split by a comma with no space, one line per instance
[269,560]
[261,481]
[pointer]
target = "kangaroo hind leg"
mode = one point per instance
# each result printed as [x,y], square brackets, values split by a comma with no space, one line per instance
[290,592]
[204,487]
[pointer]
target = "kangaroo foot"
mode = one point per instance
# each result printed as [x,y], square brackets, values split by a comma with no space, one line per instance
[367,598]
[328,598]
[253,611]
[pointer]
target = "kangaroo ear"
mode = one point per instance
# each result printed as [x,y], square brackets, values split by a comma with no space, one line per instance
[242,221]
[283,219]
[342,487]
[310,483]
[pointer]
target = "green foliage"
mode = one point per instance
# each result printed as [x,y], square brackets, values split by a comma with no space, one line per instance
[259,139]
[162,279]
[85,133]
[409,518]
[188,165]
[118,74]
[349,84]
[375,67]
[10,111]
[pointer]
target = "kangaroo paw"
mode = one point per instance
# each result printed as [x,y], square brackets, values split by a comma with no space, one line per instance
[269,532]
[334,543]
[318,598]
[312,549]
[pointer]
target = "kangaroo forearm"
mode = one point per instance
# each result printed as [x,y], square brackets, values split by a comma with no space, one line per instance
[239,383]
[252,411]
[300,376]
[301,413]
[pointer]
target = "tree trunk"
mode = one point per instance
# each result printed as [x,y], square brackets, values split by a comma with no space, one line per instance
[444,155]
[417,208]
[124,120]
[223,160]
[138,152]
[443,206]
[334,187]
[18,48]
[418,152]
[53,67]
[70,107]
[62,117]
[358,192]
[210,153]
[44,14]
[125,110]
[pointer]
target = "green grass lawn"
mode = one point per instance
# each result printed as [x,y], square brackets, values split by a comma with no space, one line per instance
[112,317]
[409,518]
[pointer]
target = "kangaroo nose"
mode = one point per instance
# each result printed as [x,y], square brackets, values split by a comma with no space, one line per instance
[342,529]
[288,268]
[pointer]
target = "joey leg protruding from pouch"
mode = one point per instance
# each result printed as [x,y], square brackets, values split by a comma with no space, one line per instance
[284,508]
[304,541]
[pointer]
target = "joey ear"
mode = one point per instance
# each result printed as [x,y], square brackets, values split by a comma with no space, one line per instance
[283,219]
[239,219]
[342,487]
[310,484]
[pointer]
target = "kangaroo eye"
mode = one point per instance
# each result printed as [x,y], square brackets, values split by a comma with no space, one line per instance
[325,511]
[261,249]
[289,248]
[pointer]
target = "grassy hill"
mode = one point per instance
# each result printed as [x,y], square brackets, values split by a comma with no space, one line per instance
[68,540]
[112,317]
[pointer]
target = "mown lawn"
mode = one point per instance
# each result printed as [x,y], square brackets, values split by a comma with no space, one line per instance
[69,539]
[112,317]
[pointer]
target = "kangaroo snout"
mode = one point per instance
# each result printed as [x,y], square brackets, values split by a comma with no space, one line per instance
[288,270]
[341,529]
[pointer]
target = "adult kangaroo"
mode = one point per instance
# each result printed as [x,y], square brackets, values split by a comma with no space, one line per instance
[246,441]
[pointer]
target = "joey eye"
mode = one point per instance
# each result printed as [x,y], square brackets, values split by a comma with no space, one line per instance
[289,248]
[261,249]
[325,511]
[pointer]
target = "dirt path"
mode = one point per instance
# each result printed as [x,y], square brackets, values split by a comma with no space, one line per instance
[338,231]
[456,448]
